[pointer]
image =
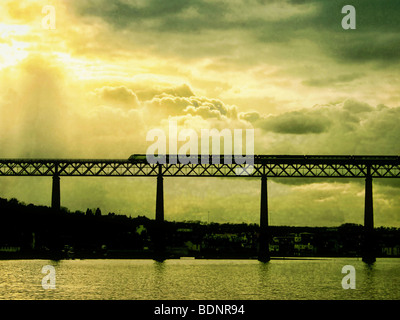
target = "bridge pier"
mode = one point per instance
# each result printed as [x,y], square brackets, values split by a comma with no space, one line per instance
[160,196]
[55,194]
[159,234]
[368,252]
[263,249]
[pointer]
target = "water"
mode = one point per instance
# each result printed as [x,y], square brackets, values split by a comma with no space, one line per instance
[200,279]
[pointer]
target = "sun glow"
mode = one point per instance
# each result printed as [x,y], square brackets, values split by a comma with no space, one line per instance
[11,50]
[7,30]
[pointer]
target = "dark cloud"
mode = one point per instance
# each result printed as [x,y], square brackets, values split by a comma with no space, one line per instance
[370,15]
[349,127]
[296,122]
[375,38]
[365,47]
[332,81]
[165,15]
[355,106]
[200,27]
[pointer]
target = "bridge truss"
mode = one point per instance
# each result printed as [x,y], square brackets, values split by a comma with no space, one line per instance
[270,166]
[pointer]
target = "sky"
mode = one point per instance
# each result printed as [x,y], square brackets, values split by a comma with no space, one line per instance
[110,71]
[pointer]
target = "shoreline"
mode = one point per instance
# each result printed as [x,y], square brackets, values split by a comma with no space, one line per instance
[52,258]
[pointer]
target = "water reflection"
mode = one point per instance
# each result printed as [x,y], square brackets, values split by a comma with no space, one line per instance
[369,275]
[55,263]
[369,266]
[263,276]
[159,267]
[159,278]
[263,268]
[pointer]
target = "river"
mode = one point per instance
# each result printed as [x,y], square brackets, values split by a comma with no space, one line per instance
[200,279]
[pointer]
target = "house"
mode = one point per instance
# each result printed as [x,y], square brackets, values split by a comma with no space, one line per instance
[392,251]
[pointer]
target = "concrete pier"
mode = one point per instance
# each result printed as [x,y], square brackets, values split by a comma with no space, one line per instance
[369,245]
[159,235]
[263,253]
[55,194]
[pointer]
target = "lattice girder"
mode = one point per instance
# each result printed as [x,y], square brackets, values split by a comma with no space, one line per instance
[271,166]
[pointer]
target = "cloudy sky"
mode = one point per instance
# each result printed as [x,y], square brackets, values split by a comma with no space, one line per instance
[111,71]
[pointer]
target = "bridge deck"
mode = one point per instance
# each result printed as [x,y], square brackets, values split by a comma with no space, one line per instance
[315,166]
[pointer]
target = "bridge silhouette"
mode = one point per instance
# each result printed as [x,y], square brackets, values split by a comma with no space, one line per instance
[262,166]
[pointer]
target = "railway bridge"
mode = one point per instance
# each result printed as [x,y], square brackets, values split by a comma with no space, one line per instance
[261,167]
